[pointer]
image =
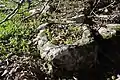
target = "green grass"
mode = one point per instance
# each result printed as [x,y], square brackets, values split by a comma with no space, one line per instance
[15,34]
[14,38]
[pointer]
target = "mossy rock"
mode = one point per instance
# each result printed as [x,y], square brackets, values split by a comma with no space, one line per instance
[64,34]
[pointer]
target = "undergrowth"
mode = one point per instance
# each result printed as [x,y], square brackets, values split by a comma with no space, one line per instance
[14,34]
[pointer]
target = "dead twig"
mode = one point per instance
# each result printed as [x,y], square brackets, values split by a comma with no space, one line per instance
[12,13]
[95,5]
[106,6]
[42,9]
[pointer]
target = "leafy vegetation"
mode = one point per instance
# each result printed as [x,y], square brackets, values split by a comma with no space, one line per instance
[14,34]
[63,34]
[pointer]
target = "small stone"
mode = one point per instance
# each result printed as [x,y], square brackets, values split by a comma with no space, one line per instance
[106,32]
[113,77]
[106,10]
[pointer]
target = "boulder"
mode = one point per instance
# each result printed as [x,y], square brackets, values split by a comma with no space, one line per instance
[64,59]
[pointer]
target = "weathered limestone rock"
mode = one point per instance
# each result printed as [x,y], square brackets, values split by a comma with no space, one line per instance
[81,54]
[107,32]
[86,37]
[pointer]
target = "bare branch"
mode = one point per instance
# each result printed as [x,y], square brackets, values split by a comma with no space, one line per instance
[12,13]
[42,9]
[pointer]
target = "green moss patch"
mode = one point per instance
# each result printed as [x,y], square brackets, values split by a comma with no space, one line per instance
[63,34]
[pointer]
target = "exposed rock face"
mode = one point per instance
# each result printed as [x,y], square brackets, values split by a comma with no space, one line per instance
[69,57]
[107,32]
[82,54]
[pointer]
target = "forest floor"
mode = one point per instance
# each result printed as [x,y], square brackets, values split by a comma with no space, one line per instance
[19,57]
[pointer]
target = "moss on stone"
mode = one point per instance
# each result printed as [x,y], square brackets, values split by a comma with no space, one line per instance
[63,34]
